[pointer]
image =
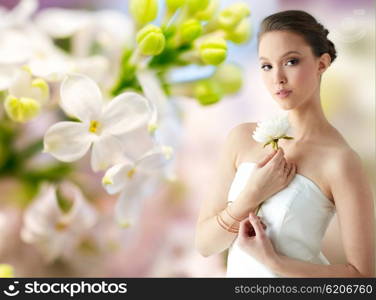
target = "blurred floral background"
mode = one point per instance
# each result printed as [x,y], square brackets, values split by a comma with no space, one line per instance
[162,90]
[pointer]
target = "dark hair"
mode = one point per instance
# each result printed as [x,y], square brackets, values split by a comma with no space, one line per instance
[302,23]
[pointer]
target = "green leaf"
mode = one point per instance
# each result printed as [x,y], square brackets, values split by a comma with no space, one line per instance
[64,203]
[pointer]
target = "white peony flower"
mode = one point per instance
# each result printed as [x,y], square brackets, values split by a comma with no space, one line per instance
[57,219]
[270,131]
[100,123]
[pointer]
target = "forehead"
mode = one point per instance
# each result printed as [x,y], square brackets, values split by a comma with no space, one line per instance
[274,44]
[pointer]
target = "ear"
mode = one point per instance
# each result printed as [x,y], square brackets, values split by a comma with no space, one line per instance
[324,62]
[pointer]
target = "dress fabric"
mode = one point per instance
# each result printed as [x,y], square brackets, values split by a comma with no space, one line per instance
[296,219]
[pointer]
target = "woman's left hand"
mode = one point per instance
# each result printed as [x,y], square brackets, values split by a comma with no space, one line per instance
[254,240]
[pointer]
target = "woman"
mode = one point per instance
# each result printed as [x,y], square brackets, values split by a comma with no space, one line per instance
[301,185]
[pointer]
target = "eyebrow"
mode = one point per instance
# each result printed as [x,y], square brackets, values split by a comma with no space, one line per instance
[287,53]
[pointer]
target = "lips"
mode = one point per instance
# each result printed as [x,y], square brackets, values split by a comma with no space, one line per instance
[283,93]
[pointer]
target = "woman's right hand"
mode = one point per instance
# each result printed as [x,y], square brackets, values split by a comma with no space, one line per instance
[270,176]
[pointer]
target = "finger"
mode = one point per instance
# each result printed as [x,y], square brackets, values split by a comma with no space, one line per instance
[267,158]
[292,171]
[262,223]
[244,228]
[282,163]
[287,169]
[259,230]
[276,158]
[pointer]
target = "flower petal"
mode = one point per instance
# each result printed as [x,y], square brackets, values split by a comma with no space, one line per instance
[107,151]
[155,159]
[152,89]
[22,11]
[67,141]
[116,177]
[136,142]
[21,84]
[61,23]
[7,74]
[82,215]
[14,47]
[129,203]
[116,27]
[81,97]
[125,112]
[96,67]
[127,210]
[52,67]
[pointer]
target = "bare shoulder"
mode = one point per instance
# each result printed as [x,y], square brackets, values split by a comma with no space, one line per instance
[343,158]
[243,128]
[345,167]
[240,137]
[241,133]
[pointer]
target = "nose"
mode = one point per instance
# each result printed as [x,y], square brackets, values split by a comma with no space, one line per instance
[279,77]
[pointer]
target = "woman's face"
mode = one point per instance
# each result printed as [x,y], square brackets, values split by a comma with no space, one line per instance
[287,63]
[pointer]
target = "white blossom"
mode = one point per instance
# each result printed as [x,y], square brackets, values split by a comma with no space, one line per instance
[270,131]
[136,180]
[99,123]
[54,230]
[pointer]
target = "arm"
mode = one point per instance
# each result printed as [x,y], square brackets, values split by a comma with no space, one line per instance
[210,237]
[355,209]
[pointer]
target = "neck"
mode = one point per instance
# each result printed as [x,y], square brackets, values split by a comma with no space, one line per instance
[308,120]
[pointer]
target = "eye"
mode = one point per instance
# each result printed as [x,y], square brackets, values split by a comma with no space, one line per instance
[292,61]
[266,67]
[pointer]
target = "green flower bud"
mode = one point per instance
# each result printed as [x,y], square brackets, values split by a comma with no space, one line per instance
[209,12]
[21,109]
[229,77]
[143,11]
[208,92]
[6,271]
[150,40]
[173,5]
[190,30]
[213,50]
[241,33]
[197,5]
[152,127]
[230,17]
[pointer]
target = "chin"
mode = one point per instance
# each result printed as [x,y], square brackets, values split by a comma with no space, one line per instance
[285,104]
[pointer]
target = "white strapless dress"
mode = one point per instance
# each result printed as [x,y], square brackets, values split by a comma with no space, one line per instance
[296,219]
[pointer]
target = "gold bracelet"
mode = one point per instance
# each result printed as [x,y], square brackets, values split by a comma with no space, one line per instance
[231,216]
[225,226]
[229,226]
